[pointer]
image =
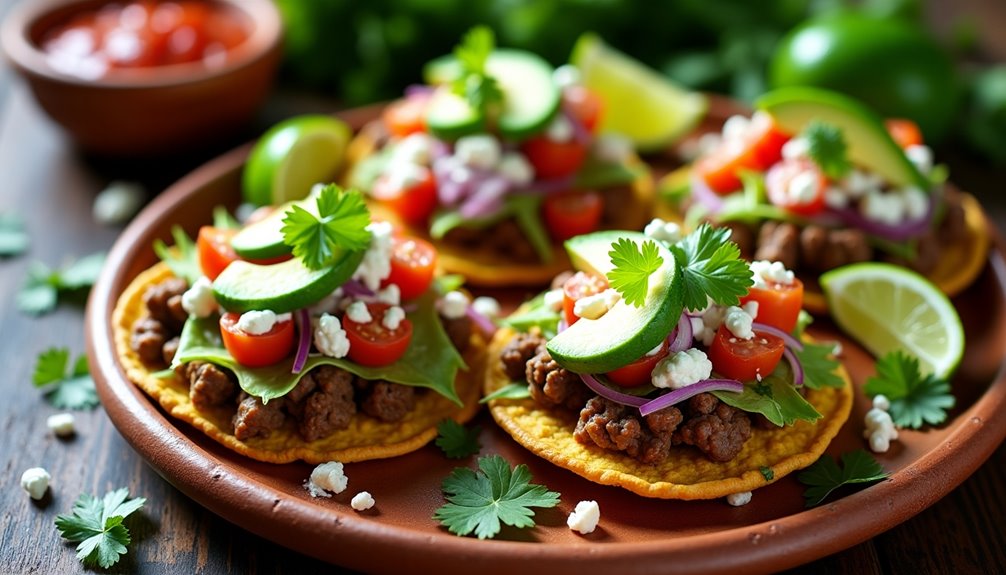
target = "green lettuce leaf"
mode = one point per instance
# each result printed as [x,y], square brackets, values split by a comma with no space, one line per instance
[774,397]
[598,173]
[533,314]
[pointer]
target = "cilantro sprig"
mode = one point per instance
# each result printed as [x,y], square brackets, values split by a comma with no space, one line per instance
[42,288]
[456,441]
[13,238]
[341,225]
[97,525]
[633,265]
[475,84]
[915,399]
[66,387]
[478,502]
[825,476]
[827,148]
[819,365]
[711,267]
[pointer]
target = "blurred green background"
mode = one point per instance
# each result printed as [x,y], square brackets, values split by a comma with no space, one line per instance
[878,50]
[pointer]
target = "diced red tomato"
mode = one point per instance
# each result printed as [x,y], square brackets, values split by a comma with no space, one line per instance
[760,148]
[779,304]
[215,251]
[406,116]
[572,213]
[413,262]
[905,132]
[553,159]
[638,372]
[745,359]
[252,350]
[580,284]
[584,105]
[779,178]
[413,203]
[371,343]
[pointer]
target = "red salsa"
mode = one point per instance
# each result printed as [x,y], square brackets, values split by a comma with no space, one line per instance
[145,34]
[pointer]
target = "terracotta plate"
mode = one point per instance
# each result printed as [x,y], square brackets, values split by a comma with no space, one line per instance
[635,535]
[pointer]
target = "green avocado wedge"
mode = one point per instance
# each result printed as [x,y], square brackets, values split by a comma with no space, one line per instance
[869,144]
[625,333]
[283,287]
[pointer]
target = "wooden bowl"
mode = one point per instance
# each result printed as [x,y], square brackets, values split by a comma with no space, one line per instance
[145,112]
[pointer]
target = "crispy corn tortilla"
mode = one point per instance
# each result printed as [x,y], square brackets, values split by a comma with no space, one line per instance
[687,473]
[366,438]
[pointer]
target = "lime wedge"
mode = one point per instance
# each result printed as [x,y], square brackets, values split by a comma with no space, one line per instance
[640,103]
[887,307]
[293,156]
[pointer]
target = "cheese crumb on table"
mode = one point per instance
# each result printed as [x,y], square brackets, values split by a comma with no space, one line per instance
[584,517]
[117,203]
[35,481]
[326,478]
[362,501]
[61,424]
[880,429]
[739,499]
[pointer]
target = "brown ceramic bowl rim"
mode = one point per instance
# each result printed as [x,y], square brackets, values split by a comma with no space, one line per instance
[17,29]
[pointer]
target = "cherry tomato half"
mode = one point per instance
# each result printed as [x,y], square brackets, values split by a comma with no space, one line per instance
[905,132]
[584,105]
[407,116]
[413,202]
[745,359]
[580,284]
[760,147]
[413,262]
[373,344]
[778,304]
[782,176]
[553,159]
[638,372]
[253,350]
[572,213]
[215,251]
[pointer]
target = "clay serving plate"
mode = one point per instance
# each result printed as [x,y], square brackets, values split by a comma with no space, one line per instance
[635,535]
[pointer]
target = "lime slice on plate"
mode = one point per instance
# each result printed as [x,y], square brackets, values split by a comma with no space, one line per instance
[640,103]
[293,156]
[887,307]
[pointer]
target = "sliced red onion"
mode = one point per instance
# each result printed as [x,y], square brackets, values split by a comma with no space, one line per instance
[484,323]
[681,338]
[486,197]
[898,233]
[679,395]
[580,132]
[356,289]
[704,195]
[562,325]
[548,187]
[304,341]
[787,338]
[419,91]
[610,394]
[795,364]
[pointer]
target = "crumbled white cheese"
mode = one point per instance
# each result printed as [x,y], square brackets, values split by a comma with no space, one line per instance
[921,156]
[880,430]
[244,211]
[707,143]
[566,75]
[835,197]
[393,317]
[795,148]
[859,183]
[515,168]
[357,312]
[682,369]
[326,478]
[751,308]
[413,149]
[739,499]
[738,321]
[667,232]
[330,338]
[735,127]
[916,202]
[764,272]
[584,517]
[362,501]
[803,188]
[487,306]
[376,264]
[480,151]
[705,324]
[454,305]
[117,203]
[198,300]
[258,322]
[614,148]
[391,295]
[560,130]
[883,207]
[35,481]
[401,177]
[61,424]
[595,306]
[553,299]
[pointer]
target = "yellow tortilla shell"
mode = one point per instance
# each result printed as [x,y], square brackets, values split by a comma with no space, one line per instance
[687,473]
[365,438]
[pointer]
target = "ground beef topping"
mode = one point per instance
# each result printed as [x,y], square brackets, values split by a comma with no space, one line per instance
[257,419]
[715,428]
[164,302]
[613,426]
[209,386]
[459,331]
[329,407]
[147,340]
[553,386]
[516,354]
[385,400]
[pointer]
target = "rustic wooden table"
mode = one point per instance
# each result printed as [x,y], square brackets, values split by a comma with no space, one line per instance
[52,187]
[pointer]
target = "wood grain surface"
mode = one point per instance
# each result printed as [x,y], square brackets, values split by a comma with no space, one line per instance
[52,187]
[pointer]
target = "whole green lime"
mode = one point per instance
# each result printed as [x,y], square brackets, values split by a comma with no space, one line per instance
[895,67]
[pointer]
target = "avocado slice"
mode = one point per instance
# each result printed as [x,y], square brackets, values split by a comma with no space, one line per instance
[868,141]
[283,287]
[626,332]
[263,239]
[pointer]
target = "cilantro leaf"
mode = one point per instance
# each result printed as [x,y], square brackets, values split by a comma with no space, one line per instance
[827,148]
[66,389]
[914,399]
[478,502]
[632,267]
[711,267]
[456,441]
[42,287]
[513,390]
[767,473]
[183,259]
[825,476]
[82,273]
[475,85]
[819,366]
[97,525]
[13,239]
[341,225]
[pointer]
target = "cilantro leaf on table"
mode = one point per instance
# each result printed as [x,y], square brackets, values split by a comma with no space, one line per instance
[819,367]
[710,266]
[478,501]
[341,225]
[475,85]
[13,239]
[914,398]
[66,388]
[456,441]
[632,266]
[97,525]
[827,148]
[42,287]
[825,476]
